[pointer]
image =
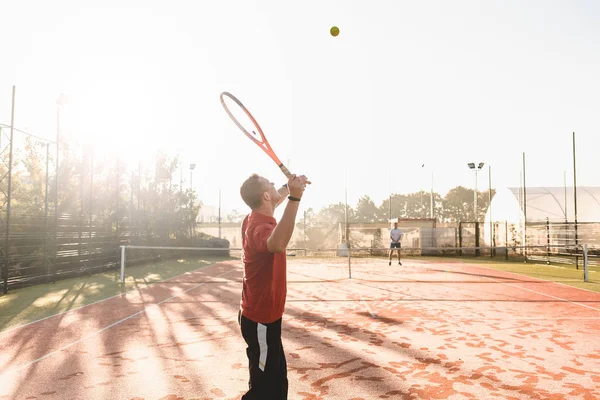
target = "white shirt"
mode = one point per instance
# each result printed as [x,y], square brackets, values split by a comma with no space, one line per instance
[396,234]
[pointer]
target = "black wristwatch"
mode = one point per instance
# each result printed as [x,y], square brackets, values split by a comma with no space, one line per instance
[292,198]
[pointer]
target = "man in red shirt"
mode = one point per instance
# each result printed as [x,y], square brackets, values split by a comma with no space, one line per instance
[265,285]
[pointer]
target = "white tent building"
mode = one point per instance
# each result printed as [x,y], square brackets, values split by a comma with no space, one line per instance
[550,213]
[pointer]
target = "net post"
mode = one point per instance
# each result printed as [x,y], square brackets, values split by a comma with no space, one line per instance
[477,233]
[460,239]
[547,241]
[122,264]
[349,262]
[506,239]
[585,262]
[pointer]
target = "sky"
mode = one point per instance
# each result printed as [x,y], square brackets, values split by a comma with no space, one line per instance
[407,91]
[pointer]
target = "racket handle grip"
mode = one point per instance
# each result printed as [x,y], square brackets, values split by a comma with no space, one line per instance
[285,171]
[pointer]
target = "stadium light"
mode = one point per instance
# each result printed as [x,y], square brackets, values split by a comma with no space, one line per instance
[431,194]
[192,166]
[476,169]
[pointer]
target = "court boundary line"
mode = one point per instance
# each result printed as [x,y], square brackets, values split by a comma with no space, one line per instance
[532,277]
[535,291]
[514,285]
[552,297]
[410,318]
[98,301]
[424,263]
[27,365]
[541,293]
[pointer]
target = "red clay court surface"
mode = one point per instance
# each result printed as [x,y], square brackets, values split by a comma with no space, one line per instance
[418,332]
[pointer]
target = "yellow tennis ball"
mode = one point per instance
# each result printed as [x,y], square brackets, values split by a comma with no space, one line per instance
[334,31]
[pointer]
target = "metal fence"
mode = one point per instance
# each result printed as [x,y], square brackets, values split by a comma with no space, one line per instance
[41,251]
[64,210]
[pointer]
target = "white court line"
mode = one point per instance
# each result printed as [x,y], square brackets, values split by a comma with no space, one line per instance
[22,367]
[455,318]
[543,280]
[373,315]
[553,297]
[531,290]
[515,285]
[96,302]
[535,291]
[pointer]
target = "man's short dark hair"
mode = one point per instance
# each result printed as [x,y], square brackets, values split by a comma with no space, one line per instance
[252,190]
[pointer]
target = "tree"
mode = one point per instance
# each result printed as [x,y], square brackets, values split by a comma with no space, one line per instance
[483,203]
[334,214]
[367,212]
[416,206]
[458,205]
[320,230]
[28,185]
[235,217]
[398,207]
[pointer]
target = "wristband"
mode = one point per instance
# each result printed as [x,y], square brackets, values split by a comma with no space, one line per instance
[292,198]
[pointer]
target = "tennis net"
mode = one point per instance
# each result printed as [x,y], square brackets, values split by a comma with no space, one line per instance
[577,263]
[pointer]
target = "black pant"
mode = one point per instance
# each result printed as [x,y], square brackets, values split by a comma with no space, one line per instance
[266,360]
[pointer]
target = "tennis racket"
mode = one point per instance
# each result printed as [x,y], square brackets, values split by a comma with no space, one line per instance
[234,106]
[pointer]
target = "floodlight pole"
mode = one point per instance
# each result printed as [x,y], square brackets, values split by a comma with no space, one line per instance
[492,235]
[524,210]
[575,202]
[46,264]
[117,194]
[390,198]
[59,102]
[192,222]
[347,227]
[192,166]
[475,168]
[139,188]
[91,194]
[9,195]
[431,198]
[565,186]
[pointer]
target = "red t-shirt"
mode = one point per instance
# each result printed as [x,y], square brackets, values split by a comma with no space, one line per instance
[265,284]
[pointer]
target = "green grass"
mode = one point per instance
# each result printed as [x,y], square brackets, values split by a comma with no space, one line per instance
[565,274]
[25,305]
[561,273]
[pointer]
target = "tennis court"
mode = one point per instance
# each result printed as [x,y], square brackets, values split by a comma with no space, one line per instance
[431,328]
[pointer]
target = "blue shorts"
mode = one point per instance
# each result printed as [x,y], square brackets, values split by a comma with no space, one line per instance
[394,245]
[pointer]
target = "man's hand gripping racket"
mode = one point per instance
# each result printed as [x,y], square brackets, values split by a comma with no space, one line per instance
[261,141]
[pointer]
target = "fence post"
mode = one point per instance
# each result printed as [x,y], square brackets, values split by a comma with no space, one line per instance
[349,260]
[122,264]
[548,241]
[460,238]
[495,232]
[506,239]
[91,210]
[477,252]
[9,196]
[585,262]
[81,210]
[46,263]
